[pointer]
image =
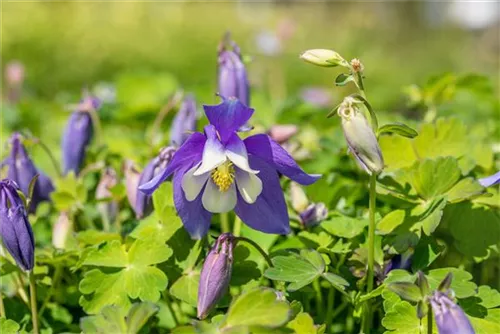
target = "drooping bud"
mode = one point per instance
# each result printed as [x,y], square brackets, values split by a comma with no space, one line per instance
[184,122]
[323,57]
[61,230]
[22,170]
[215,274]
[232,75]
[108,209]
[298,197]
[361,138]
[314,214]
[78,135]
[143,203]
[450,318]
[15,228]
[132,176]
[280,133]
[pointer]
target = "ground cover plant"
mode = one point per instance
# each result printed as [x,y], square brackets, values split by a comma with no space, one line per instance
[160,212]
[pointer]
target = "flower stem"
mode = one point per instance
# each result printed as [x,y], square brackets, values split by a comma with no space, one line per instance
[168,302]
[34,312]
[2,307]
[319,298]
[237,226]
[329,308]
[429,321]
[51,156]
[55,280]
[371,252]
[174,100]
[97,125]
[257,247]
[224,222]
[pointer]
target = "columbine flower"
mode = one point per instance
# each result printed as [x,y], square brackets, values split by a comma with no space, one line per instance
[142,205]
[184,122]
[78,134]
[215,274]
[22,170]
[450,318]
[490,180]
[15,228]
[217,172]
[360,137]
[232,75]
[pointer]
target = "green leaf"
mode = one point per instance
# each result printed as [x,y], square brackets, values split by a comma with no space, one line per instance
[186,288]
[110,320]
[70,193]
[299,270]
[430,215]
[399,275]
[431,178]
[461,283]
[344,226]
[337,281]
[135,277]
[343,79]
[402,319]
[425,253]
[399,129]
[138,315]
[397,151]
[465,189]
[390,221]
[302,324]
[488,325]
[95,237]
[490,298]
[8,326]
[258,307]
[405,290]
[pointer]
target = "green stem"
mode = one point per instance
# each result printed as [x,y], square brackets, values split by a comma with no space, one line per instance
[174,100]
[168,302]
[339,309]
[429,321]
[20,289]
[2,307]
[319,298]
[224,222]
[329,308]
[55,280]
[371,252]
[237,227]
[257,247]
[34,312]
[97,125]
[51,156]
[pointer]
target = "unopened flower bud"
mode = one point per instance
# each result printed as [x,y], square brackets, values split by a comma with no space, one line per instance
[108,209]
[15,228]
[361,139]
[298,197]
[323,57]
[184,122]
[314,214]
[215,274]
[450,318]
[232,74]
[281,133]
[132,176]
[61,230]
[357,66]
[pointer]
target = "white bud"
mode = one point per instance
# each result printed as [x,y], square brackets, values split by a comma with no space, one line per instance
[323,57]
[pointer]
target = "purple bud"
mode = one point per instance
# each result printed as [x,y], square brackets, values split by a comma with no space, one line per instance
[22,170]
[108,209]
[78,134]
[314,214]
[143,203]
[399,261]
[184,122]
[450,318]
[232,75]
[215,274]
[15,228]
[490,180]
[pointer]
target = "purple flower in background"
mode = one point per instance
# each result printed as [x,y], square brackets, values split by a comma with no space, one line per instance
[215,274]
[22,170]
[314,214]
[184,122]
[317,96]
[78,134]
[490,180]
[142,204]
[450,318]
[280,133]
[399,261]
[217,172]
[232,75]
[15,228]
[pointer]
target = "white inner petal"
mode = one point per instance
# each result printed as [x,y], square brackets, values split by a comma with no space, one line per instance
[217,201]
[192,184]
[240,159]
[213,156]
[249,186]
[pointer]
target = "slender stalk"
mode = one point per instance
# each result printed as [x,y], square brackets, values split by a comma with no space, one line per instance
[55,280]
[237,226]
[97,125]
[329,308]
[429,321]
[174,100]
[168,302]
[339,309]
[371,252]
[34,312]
[20,289]
[51,156]
[257,247]
[224,222]
[2,307]
[319,299]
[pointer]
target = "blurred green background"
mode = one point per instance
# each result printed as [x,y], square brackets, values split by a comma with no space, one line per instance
[148,50]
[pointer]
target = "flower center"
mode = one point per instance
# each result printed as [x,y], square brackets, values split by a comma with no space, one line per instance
[223,176]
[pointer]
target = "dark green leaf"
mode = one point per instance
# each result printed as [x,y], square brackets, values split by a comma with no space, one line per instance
[399,129]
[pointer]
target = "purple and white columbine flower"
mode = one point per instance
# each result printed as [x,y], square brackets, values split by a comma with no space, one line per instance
[450,318]
[217,172]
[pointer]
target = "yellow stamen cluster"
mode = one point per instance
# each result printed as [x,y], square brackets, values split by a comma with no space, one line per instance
[223,176]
